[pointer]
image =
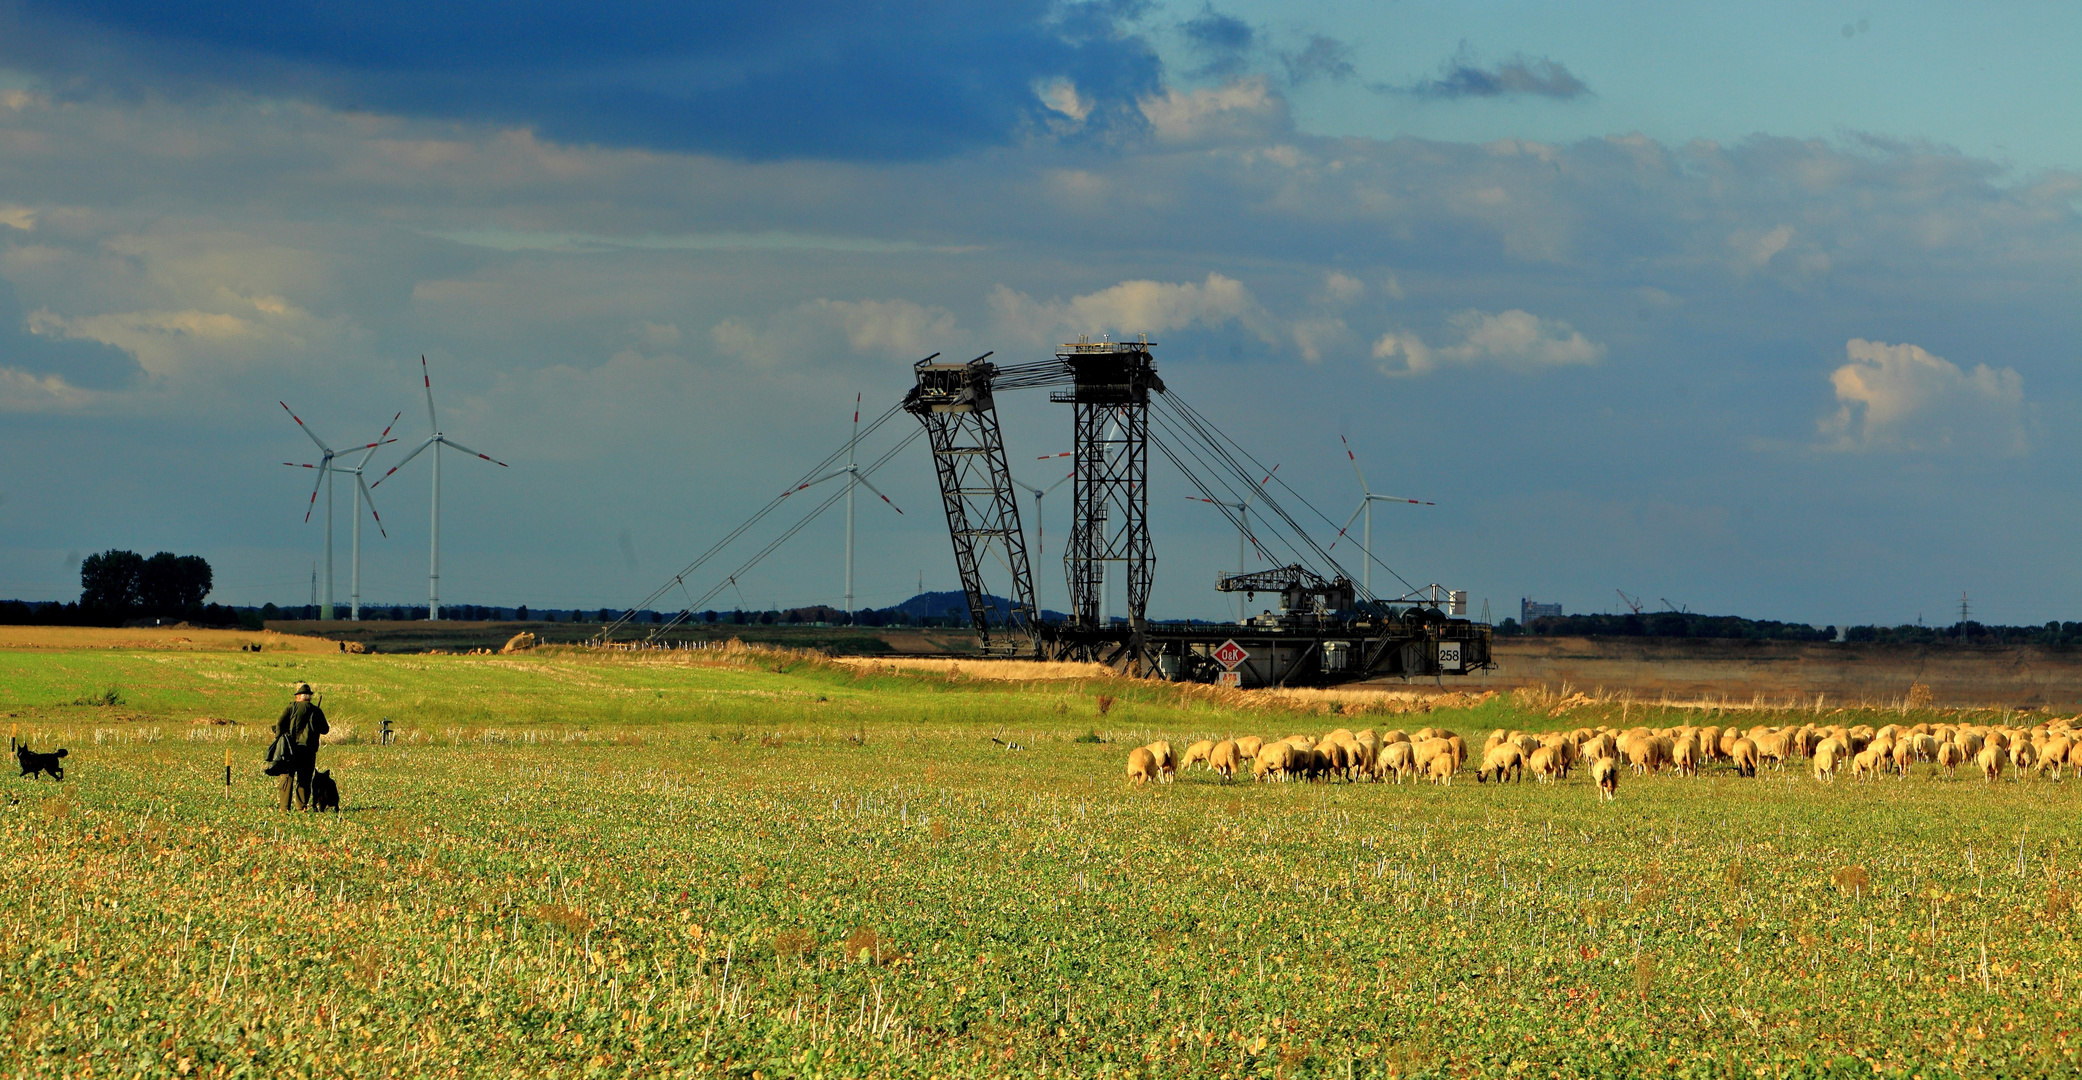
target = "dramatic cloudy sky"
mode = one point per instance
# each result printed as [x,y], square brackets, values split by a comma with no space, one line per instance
[1767,308]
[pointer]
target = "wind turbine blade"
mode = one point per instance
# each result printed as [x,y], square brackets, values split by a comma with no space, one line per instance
[812,483]
[370,498]
[864,483]
[1400,499]
[428,379]
[401,464]
[1348,524]
[382,439]
[1045,457]
[467,450]
[1067,477]
[1355,464]
[307,428]
[313,504]
[1261,486]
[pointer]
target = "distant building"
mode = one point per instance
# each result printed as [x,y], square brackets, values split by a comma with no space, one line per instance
[1528,611]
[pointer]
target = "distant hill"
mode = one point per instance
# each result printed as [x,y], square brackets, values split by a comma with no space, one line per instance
[953,605]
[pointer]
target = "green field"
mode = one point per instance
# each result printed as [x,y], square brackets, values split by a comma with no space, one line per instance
[762,865]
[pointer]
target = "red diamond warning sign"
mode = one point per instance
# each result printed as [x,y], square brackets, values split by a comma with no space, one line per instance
[1231,654]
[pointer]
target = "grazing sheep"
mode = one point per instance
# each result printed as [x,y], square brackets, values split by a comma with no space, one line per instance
[1774,747]
[1442,766]
[1546,764]
[1503,760]
[1684,756]
[1710,745]
[1744,754]
[1167,759]
[1196,752]
[1398,735]
[1247,747]
[2054,755]
[1949,758]
[1828,757]
[1991,761]
[1969,743]
[1426,749]
[1604,772]
[1601,747]
[1276,759]
[1646,753]
[1399,758]
[1866,763]
[2022,754]
[1142,765]
[1905,756]
[1224,758]
[1331,758]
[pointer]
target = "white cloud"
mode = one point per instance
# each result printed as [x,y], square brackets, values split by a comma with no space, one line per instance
[1514,339]
[1060,95]
[1900,397]
[22,391]
[1241,110]
[896,329]
[1126,309]
[1341,288]
[18,217]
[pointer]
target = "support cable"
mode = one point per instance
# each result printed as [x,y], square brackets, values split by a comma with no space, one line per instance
[679,580]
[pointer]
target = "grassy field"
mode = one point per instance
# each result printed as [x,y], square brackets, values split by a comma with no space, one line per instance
[755,864]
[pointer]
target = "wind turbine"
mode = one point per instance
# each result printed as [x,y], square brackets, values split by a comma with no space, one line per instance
[1367,499]
[325,480]
[1243,531]
[362,497]
[852,474]
[437,441]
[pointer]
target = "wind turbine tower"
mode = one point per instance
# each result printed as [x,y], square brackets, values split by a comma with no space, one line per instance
[852,474]
[326,469]
[1367,499]
[1243,532]
[437,440]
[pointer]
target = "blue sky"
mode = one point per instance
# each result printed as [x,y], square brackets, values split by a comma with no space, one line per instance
[1767,310]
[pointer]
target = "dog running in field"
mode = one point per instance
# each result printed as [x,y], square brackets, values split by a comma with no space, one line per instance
[325,795]
[33,762]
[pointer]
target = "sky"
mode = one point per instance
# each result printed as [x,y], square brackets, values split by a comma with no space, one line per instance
[1766,310]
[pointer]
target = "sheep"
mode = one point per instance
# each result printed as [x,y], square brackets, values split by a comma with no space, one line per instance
[1142,765]
[1684,756]
[1247,747]
[1604,772]
[1991,761]
[1197,752]
[1774,747]
[1429,748]
[1546,763]
[1496,738]
[1949,758]
[1399,758]
[1744,754]
[1866,763]
[1905,755]
[2054,755]
[1600,747]
[1224,758]
[1828,757]
[1710,745]
[2022,754]
[1275,759]
[1167,759]
[1564,751]
[1502,760]
[1332,759]
[1442,766]
[1646,753]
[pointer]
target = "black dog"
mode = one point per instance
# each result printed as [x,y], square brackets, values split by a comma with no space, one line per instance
[325,795]
[33,762]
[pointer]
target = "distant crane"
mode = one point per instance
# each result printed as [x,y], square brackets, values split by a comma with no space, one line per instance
[1632,602]
[1674,607]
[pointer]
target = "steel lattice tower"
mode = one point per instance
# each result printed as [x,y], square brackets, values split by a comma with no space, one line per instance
[1110,492]
[955,404]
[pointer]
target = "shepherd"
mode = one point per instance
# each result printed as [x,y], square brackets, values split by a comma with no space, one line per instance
[301,723]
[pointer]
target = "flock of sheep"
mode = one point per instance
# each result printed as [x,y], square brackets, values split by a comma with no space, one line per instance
[1437,754]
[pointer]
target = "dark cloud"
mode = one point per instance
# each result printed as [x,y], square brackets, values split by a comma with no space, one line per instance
[1464,76]
[87,364]
[783,78]
[1223,42]
[1323,57]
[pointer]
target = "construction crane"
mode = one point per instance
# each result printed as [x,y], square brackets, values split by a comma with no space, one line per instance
[1633,603]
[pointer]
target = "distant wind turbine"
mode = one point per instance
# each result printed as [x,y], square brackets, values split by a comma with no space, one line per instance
[326,469]
[852,474]
[437,440]
[1367,499]
[1243,531]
